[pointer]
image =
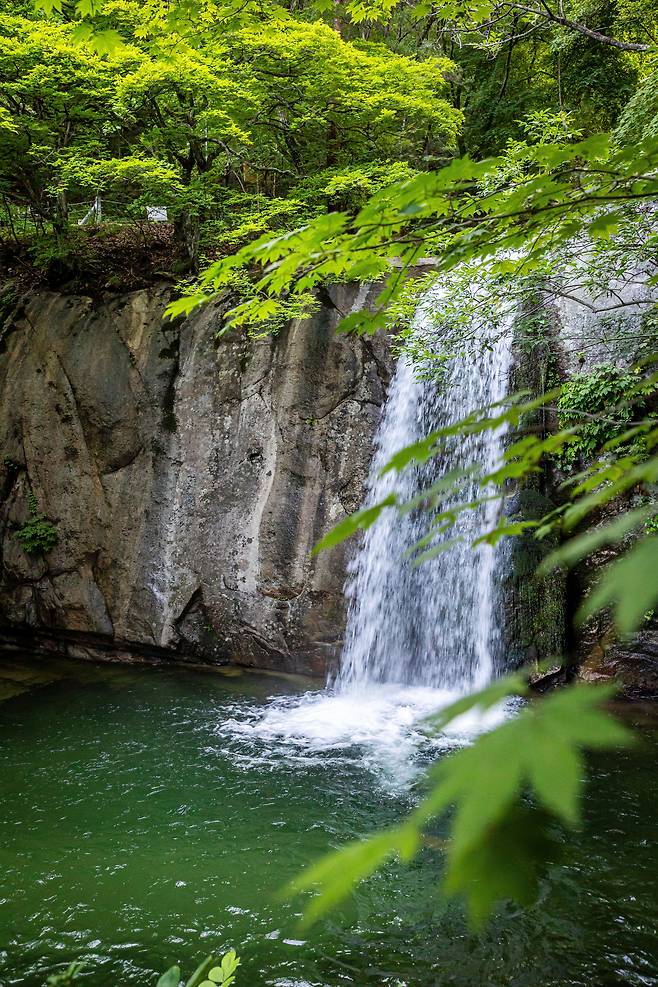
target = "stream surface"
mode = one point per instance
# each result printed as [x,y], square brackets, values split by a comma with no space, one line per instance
[150,817]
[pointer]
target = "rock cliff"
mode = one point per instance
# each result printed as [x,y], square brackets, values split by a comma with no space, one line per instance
[187,478]
[556,342]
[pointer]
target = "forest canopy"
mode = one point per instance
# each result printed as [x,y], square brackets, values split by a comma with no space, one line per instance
[243,119]
[209,126]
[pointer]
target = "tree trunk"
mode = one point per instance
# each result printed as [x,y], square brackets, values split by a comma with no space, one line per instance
[187,230]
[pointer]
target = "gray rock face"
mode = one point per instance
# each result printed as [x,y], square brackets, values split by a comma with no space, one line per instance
[188,478]
[589,340]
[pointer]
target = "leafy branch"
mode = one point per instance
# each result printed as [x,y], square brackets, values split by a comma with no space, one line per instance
[466,212]
[505,794]
[624,464]
[214,971]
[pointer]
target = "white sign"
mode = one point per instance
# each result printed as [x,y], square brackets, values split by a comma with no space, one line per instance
[156,214]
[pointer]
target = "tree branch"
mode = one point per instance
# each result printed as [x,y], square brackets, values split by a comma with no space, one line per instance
[603,39]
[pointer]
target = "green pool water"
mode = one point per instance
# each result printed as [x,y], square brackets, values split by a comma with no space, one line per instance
[145,821]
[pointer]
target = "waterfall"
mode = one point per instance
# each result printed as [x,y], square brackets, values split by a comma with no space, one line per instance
[417,636]
[434,624]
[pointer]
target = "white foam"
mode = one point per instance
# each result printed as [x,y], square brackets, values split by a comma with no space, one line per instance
[381,725]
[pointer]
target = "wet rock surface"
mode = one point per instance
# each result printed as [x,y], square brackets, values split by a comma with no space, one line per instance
[552,343]
[187,478]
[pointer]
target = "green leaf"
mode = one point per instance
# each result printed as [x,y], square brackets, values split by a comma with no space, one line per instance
[82,33]
[505,864]
[490,778]
[171,978]
[49,7]
[629,585]
[578,548]
[429,496]
[89,8]
[506,529]
[416,452]
[185,305]
[229,965]
[338,872]
[497,840]
[362,323]
[200,974]
[605,225]
[574,715]
[362,519]
[435,550]
[230,962]
[556,774]
[509,685]
[223,974]
[106,42]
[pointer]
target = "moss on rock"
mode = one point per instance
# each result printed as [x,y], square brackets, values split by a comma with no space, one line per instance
[535,605]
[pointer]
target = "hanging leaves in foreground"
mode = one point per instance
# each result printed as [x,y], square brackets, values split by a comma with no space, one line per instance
[507,792]
[359,521]
[629,585]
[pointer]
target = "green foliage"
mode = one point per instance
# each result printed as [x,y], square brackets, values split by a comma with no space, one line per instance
[170,978]
[274,313]
[38,535]
[280,131]
[277,313]
[241,216]
[360,520]
[213,971]
[473,213]
[58,96]
[188,104]
[345,102]
[639,119]
[61,254]
[597,80]
[224,974]
[598,403]
[197,123]
[651,524]
[505,793]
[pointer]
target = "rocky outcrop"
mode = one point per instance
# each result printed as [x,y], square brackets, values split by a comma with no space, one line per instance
[553,343]
[535,603]
[188,478]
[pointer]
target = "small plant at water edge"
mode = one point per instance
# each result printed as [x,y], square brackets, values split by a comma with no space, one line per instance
[38,535]
[213,972]
[66,978]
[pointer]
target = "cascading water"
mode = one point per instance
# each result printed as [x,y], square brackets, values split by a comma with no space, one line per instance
[433,624]
[417,636]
